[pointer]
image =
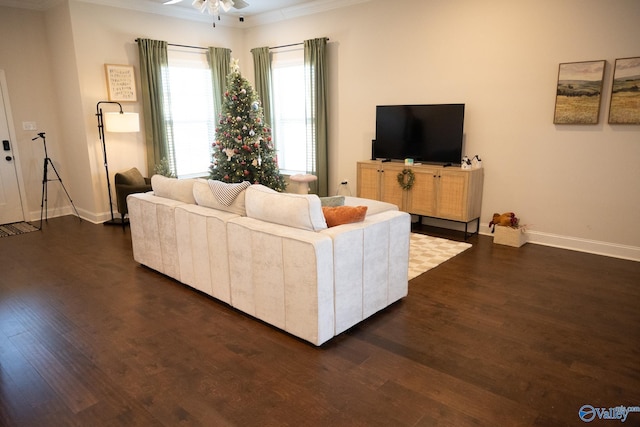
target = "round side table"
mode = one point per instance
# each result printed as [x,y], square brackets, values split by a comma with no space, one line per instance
[303,180]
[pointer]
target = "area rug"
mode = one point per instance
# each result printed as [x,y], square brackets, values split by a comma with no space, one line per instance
[16,228]
[427,252]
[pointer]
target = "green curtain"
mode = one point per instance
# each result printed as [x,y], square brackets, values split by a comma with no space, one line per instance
[315,65]
[262,74]
[153,68]
[219,59]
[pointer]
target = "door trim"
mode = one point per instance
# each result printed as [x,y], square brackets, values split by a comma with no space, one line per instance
[14,147]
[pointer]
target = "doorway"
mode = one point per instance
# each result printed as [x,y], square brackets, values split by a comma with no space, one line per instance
[11,200]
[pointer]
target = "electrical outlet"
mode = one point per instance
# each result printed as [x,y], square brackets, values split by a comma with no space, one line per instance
[29,126]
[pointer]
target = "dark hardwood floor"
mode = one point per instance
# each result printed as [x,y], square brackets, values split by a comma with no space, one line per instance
[497,336]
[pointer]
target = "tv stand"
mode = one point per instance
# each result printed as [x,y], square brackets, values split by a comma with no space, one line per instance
[448,193]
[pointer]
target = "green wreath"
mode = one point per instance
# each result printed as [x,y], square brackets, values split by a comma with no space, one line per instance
[406,178]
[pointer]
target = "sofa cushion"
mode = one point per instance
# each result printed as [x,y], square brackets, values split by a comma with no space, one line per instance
[226,193]
[332,201]
[373,206]
[173,188]
[338,215]
[295,210]
[204,197]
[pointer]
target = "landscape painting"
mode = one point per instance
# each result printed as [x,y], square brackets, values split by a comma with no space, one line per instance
[578,93]
[625,92]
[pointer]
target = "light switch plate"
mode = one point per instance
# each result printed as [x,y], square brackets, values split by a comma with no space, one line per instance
[29,126]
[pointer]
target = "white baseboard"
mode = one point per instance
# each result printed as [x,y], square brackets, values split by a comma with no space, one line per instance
[50,213]
[68,210]
[596,247]
[554,240]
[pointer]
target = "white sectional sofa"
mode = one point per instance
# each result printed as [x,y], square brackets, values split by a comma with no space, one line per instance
[272,256]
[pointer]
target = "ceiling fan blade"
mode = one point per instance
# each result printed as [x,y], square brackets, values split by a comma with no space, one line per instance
[201,5]
[172,1]
[226,5]
[240,4]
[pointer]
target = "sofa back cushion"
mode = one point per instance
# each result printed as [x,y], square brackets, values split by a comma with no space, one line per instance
[173,188]
[204,196]
[295,210]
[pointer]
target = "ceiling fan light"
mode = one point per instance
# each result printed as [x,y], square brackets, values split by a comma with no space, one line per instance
[214,7]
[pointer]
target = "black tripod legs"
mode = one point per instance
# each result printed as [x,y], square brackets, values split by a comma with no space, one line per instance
[45,181]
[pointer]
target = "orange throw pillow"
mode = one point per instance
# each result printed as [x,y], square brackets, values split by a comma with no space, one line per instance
[338,215]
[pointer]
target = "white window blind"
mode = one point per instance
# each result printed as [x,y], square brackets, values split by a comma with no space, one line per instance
[191,114]
[289,103]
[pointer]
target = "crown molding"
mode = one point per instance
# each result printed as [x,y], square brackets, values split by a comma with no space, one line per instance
[229,19]
[226,19]
[40,5]
[305,9]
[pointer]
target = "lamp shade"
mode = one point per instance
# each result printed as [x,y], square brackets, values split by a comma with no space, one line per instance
[121,122]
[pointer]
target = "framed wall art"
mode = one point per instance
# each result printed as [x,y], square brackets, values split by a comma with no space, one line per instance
[624,107]
[579,92]
[121,82]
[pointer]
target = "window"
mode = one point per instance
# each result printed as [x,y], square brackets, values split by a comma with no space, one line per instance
[290,126]
[191,118]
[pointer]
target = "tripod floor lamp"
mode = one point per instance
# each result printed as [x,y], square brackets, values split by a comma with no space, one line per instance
[114,122]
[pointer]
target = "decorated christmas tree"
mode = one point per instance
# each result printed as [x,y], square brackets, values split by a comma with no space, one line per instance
[243,149]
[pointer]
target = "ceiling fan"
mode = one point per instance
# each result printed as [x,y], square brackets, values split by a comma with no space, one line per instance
[214,6]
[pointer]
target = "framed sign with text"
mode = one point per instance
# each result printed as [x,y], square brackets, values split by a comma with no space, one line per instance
[121,82]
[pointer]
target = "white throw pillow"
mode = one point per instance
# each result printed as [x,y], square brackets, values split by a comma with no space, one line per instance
[204,197]
[295,210]
[173,188]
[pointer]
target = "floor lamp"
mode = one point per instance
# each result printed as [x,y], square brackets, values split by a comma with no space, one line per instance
[114,122]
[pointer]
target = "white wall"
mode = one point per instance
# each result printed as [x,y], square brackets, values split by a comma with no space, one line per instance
[501,59]
[576,186]
[106,35]
[54,62]
[25,57]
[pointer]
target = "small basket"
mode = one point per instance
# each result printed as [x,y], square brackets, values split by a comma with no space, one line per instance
[510,236]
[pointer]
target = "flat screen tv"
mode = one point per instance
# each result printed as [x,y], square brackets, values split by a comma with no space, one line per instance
[425,133]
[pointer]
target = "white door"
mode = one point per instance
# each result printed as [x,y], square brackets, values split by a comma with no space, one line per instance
[10,200]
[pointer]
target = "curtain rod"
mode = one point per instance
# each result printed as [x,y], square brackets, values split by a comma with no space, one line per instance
[204,48]
[182,45]
[187,46]
[292,44]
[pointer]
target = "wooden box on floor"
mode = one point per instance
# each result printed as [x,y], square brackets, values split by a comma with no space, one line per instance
[510,236]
